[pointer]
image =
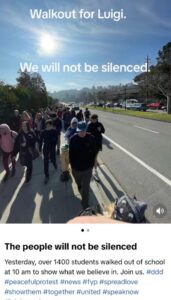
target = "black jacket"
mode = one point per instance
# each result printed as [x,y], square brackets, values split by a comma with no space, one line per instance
[24,142]
[16,123]
[49,138]
[82,152]
[93,129]
[67,117]
[57,123]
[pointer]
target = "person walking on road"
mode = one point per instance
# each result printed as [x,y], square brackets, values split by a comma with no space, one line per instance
[73,113]
[82,153]
[25,145]
[80,116]
[87,115]
[57,123]
[7,140]
[39,125]
[96,129]
[65,150]
[48,139]
[67,118]
[16,121]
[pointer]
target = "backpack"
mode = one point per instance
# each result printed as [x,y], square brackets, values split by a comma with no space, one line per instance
[130,210]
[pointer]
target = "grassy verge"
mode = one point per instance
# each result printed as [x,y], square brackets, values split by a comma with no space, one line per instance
[141,114]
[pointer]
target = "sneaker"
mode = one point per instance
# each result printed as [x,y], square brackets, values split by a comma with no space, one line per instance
[46,180]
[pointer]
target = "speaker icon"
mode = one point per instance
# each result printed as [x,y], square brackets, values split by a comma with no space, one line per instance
[160,210]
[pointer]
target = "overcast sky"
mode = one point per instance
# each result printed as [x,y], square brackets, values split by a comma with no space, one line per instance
[145,30]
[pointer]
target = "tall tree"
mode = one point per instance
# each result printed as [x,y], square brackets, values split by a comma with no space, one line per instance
[36,89]
[8,102]
[24,79]
[159,77]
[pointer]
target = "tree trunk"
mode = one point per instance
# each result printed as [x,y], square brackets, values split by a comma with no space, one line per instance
[169,104]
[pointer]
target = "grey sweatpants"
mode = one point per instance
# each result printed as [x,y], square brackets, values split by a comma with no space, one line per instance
[83,179]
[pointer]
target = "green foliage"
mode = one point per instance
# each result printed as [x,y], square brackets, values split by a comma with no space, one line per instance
[24,97]
[140,114]
[157,82]
[30,93]
[36,90]
[8,102]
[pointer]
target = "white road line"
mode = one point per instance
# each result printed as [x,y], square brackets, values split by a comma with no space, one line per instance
[6,212]
[142,163]
[146,129]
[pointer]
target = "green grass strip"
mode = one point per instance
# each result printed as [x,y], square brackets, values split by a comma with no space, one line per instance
[141,114]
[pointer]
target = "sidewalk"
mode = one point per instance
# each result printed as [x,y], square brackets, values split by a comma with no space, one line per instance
[55,202]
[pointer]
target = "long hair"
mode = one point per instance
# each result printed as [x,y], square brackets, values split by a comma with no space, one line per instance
[27,125]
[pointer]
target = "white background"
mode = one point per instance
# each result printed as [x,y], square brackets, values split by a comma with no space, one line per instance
[153,242]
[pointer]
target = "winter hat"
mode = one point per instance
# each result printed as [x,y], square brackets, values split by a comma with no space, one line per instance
[74,120]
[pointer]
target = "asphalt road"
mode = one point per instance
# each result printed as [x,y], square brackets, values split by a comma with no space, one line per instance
[138,154]
[55,202]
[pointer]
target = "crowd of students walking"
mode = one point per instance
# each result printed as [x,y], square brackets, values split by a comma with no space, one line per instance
[29,134]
